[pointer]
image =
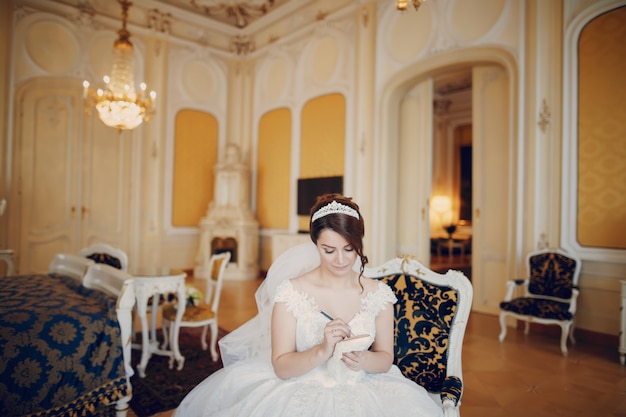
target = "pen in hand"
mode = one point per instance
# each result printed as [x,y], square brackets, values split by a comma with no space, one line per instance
[327,316]
[331,319]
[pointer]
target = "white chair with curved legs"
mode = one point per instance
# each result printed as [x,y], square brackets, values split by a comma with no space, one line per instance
[550,293]
[6,255]
[105,278]
[103,253]
[205,314]
[69,265]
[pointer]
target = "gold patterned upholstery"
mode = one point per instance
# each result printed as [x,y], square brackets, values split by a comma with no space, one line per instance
[192,313]
[430,319]
[550,293]
[424,315]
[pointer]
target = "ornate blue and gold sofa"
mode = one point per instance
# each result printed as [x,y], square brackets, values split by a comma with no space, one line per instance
[431,316]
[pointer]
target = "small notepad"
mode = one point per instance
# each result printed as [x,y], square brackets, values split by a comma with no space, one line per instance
[336,368]
[352,344]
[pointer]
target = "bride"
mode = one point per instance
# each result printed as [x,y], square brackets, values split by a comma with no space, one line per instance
[322,342]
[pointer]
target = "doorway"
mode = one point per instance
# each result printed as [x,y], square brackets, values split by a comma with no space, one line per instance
[407,165]
[451,185]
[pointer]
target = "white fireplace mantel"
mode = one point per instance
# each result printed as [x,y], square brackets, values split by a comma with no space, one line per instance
[229,223]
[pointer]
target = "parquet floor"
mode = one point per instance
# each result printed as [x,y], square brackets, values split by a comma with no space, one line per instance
[523,376]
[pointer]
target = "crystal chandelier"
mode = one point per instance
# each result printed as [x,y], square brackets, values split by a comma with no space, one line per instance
[404,4]
[118,104]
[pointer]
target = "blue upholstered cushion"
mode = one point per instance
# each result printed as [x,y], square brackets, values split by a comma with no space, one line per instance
[545,309]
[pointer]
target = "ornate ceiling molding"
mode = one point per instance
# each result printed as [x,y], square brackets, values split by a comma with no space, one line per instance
[237,14]
[226,26]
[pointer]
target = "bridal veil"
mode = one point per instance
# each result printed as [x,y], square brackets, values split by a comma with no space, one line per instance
[252,339]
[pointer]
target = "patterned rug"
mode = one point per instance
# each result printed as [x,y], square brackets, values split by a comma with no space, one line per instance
[163,389]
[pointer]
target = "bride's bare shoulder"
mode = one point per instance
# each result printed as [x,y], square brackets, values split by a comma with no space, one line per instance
[303,281]
[369,284]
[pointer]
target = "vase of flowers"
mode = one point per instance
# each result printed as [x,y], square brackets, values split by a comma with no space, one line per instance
[193,296]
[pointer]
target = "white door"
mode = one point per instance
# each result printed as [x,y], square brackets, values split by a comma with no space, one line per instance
[70,190]
[415,171]
[492,201]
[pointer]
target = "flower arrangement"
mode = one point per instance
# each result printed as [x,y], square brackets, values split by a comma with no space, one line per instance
[192,295]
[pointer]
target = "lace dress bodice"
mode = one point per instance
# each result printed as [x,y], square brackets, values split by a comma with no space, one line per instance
[310,322]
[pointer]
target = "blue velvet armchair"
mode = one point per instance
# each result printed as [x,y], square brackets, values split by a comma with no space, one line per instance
[550,293]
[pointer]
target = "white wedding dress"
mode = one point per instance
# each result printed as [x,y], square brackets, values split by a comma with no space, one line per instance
[248,387]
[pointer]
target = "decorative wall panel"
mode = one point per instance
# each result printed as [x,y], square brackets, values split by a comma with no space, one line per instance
[602,132]
[51,46]
[409,34]
[198,80]
[471,20]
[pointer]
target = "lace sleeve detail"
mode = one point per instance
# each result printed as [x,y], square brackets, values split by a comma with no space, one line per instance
[282,292]
[378,300]
[387,293]
[298,303]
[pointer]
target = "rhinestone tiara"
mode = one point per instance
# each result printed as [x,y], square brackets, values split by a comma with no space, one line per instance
[334,208]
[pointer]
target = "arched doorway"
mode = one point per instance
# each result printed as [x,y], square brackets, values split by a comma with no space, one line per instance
[405,161]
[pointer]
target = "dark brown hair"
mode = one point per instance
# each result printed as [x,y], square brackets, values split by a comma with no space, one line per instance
[351,228]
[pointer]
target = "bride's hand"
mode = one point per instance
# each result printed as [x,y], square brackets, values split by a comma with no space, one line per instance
[353,360]
[335,331]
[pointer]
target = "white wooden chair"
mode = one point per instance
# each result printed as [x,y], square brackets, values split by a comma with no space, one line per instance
[69,265]
[205,314]
[105,278]
[106,254]
[6,255]
[430,316]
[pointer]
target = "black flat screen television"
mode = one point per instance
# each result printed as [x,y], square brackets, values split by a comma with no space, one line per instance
[310,188]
